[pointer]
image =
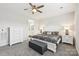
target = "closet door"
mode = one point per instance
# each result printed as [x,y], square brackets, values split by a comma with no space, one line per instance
[16,35]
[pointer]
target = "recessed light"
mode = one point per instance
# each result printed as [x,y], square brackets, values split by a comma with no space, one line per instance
[61,7]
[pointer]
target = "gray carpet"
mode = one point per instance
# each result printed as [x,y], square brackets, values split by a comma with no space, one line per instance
[22,49]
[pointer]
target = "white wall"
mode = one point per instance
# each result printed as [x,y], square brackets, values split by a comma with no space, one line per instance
[62,20]
[59,20]
[77,27]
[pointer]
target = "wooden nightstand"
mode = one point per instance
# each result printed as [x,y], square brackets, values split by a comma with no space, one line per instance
[67,39]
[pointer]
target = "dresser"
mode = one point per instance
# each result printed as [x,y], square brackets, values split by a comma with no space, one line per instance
[67,39]
[16,35]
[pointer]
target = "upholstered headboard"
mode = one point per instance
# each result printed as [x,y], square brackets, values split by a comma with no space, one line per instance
[53,28]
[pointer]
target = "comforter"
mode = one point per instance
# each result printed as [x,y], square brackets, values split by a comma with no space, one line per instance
[48,38]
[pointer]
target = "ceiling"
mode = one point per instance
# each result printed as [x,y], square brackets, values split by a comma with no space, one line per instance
[49,9]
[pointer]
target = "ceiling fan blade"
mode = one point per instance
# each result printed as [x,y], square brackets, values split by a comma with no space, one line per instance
[30,4]
[40,6]
[39,11]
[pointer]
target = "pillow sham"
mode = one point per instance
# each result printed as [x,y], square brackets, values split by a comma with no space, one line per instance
[54,33]
[45,32]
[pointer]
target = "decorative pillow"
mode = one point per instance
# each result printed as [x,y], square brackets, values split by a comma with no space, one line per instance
[48,33]
[54,33]
[45,32]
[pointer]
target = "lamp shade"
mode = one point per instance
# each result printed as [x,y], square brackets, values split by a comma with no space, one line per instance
[66,28]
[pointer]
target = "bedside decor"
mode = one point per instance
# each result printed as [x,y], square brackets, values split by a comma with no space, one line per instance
[68,37]
[66,30]
[41,29]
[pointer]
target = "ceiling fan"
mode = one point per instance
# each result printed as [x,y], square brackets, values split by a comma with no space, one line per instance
[35,8]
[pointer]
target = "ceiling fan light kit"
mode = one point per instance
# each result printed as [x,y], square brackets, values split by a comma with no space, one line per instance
[34,10]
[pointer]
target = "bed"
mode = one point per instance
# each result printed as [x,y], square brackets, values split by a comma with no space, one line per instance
[52,39]
[50,35]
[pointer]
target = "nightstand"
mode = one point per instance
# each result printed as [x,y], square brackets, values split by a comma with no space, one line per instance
[67,39]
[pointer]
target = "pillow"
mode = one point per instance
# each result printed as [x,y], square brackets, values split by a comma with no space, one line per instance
[54,33]
[45,32]
[48,33]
